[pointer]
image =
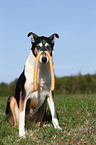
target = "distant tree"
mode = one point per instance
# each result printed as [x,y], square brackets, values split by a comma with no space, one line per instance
[65,85]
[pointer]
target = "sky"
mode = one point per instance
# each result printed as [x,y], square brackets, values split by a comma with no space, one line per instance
[73,20]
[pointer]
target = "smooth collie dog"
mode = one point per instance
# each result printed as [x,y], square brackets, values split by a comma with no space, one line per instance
[26,101]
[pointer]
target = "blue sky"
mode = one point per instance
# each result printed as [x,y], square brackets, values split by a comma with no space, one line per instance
[73,20]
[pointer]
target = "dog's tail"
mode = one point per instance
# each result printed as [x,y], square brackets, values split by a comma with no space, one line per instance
[12,111]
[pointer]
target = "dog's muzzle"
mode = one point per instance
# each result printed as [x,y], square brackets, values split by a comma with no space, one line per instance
[43,58]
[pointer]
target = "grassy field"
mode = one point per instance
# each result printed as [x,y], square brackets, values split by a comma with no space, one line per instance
[77,117]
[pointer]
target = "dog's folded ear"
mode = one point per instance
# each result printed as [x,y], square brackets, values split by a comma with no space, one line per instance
[52,37]
[34,36]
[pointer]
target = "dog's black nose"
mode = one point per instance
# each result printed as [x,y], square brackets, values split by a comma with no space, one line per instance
[44,59]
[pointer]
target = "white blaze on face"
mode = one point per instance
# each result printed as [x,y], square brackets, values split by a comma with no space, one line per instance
[43,55]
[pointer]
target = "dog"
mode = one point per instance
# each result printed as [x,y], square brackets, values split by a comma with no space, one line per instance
[26,100]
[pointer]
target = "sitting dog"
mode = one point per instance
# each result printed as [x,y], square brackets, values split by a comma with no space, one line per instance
[25,98]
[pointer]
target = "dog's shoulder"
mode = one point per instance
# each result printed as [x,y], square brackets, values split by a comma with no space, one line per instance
[29,67]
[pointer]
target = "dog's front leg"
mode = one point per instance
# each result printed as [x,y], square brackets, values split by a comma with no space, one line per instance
[53,111]
[22,106]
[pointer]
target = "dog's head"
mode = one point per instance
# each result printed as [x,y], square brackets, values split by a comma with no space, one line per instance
[43,44]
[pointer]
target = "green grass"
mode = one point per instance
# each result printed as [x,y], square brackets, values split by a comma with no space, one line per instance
[77,117]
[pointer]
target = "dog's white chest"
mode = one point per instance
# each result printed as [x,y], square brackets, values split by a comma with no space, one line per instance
[43,82]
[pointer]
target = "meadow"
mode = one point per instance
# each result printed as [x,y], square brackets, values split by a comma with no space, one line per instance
[77,117]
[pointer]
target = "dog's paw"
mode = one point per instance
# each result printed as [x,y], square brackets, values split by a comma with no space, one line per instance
[59,128]
[56,124]
[22,135]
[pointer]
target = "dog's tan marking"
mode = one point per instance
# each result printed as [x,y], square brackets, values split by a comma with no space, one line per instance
[12,107]
[51,71]
[22,102]
[34,102]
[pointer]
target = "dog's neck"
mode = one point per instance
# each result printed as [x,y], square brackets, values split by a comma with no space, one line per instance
[30,61]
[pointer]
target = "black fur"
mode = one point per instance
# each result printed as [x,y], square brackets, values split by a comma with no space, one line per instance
[8,110]
[20,87]
[36,40]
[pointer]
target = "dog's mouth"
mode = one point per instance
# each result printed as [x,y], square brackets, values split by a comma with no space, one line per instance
[43,58]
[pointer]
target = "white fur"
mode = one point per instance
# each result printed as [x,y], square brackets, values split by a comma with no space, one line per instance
[40,60]
[29,68]
[21,123]
[40,44]
[52,53]
[46,44]
[16,111]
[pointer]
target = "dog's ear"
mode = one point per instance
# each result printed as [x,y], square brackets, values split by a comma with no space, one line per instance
[34,36]
[52,37]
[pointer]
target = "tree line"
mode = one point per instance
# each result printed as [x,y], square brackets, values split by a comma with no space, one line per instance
[76,84]
[63,85]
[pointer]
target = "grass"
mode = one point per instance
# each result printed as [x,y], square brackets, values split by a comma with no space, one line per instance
[77,117]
